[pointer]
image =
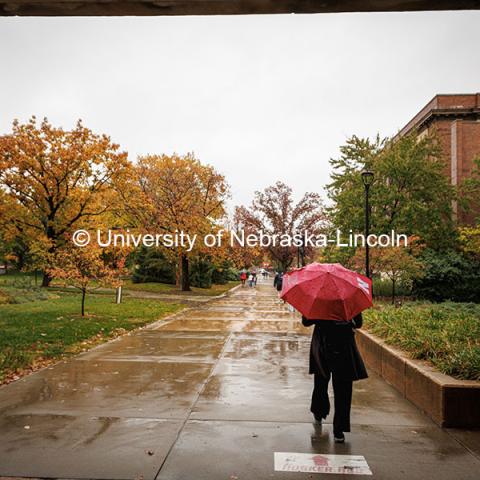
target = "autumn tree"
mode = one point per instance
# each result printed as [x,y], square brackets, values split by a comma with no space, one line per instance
[469,238]
[88,268]
[274,211]
[4,252]
[54,179]
[410,193]
[398,264]
[7,241]
[177,193]
[244,256]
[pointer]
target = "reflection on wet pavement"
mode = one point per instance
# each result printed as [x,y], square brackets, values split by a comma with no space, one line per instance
[209,394]
[226,450]
[118,388]
[67,446]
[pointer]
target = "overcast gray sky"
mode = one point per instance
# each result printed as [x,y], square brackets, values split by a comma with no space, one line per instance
[262,98]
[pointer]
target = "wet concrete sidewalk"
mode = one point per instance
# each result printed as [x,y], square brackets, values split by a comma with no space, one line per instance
[211,394]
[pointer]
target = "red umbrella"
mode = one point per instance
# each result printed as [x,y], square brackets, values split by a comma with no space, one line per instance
[327,291]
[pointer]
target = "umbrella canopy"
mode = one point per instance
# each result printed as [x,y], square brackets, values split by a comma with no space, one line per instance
[327,291]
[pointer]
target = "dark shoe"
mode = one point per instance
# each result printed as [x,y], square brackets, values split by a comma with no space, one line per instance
[318,418]
[339,437]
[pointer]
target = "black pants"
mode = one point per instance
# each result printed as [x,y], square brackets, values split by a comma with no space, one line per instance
[342,392]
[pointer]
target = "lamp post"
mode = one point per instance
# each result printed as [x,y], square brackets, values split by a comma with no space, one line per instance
[298,256]
[301,251]
[367,179]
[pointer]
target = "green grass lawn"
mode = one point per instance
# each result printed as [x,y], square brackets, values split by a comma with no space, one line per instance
[167,288]
[17,283]
[446,334]
[38,325]
[44,330]
[12,278]
[19,287]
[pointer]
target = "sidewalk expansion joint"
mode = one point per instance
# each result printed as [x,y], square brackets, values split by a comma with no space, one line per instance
[200,392]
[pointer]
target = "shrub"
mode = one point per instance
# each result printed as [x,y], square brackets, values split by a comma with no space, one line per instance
[151,265]
[447,334]
[448,276]
[383,288]
[204,273]
[223,273]
[201,272]
[233,274]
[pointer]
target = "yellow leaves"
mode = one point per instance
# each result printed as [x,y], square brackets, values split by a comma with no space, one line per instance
[470,240]
[55,177]
[178,193]
[395,262]
[88,267]
[55,181]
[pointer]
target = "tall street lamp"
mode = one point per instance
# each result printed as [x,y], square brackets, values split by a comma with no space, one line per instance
[301,250]
[298,256]
[367,178]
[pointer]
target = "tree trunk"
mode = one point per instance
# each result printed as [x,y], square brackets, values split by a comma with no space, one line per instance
[393,292]
[84,292]
[47,278]
[178,271]
[20,263]
[52,237]
[185,274]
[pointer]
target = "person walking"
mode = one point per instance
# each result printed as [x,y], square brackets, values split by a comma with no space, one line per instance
[275,279]
[250,280]
[243,277]
[278,281]
[279,286]
[334,354]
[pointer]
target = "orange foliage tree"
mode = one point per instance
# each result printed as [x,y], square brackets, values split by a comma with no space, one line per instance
[177,193]
[274,212]
[88,268]
[398,264]
[53,180]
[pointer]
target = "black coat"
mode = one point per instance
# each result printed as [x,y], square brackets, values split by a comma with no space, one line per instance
[334,350]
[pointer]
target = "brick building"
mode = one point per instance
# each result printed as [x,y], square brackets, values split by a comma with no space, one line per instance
[456,119]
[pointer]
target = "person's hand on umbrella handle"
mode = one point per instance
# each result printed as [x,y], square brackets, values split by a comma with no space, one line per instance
[357,321]
[306,322]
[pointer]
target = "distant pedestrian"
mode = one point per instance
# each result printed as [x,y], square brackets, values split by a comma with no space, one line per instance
[250,280]
[243,277]
[278,282]
[255,278]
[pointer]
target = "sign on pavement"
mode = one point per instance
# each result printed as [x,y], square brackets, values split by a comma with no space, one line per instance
[319,463]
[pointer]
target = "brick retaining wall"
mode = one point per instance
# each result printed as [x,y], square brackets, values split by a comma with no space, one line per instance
[447,401]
